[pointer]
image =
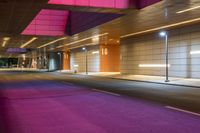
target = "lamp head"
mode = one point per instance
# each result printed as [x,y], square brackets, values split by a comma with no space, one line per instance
[84,48]
[163,33]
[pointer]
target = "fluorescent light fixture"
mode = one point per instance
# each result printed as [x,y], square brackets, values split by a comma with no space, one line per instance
[162,27]
[95,52]
[163,33]
[195,52]
[29,42]
[60,39]
[5,40]
[189,9]
[4,44]
[76,65]
[153,65]
[85,39]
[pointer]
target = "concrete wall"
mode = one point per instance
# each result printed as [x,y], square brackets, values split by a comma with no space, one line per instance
[78,57]
[150,49]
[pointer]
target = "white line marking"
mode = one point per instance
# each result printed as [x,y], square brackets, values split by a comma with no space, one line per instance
[181,110]
[115,94]
[67,83]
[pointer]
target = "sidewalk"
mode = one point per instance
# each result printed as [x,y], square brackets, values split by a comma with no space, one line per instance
[153,79]
[23,69]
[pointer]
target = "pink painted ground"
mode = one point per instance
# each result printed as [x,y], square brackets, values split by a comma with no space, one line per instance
[52,107]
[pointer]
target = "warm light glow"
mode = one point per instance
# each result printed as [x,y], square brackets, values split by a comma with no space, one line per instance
[5,40]
[29,42]
[82,40]
[60,39]
[4,44]
[194,52]
[76,65]
[153,65]
[189,9]
[95,39]
[24,57]
[95,52]
[162,27]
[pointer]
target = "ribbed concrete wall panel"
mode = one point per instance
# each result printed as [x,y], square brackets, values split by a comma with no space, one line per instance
[78,58]
[150,49]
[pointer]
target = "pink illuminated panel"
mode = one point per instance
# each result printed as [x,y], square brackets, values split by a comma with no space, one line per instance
[122,4]
[48,23]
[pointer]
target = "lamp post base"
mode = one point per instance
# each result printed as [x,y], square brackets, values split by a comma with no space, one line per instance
[167,81]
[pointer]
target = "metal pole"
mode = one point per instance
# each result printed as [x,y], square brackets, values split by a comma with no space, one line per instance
[86,61]
[60,62]
[167,62]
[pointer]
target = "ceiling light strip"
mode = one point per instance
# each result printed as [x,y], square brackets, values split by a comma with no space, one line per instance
[162,27]
[153,65]
[189,9]
[82,40]
[60,39]
[29,42]
[89,44]
[5,40]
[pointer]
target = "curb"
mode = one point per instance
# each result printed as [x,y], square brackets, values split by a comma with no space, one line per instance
[191,86]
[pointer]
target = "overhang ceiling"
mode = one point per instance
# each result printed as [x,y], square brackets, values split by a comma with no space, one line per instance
[15,15]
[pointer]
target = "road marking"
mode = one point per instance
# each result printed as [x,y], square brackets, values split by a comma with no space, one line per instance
[64,82]
[115,94]
[181,110]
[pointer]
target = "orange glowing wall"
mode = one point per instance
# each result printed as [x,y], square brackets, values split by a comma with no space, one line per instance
[66,60]
[110,58]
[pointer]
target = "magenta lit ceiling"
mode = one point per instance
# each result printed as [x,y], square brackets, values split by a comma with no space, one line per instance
[120,4]
[48,22]
[116,4]
[59,23]
[63,22]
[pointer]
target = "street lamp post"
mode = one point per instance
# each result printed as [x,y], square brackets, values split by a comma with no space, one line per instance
[60,60]
[164,34]
[86,60]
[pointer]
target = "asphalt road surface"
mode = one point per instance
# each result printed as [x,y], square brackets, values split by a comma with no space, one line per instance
[32,102]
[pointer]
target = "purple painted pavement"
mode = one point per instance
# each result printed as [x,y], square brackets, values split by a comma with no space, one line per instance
[52,107]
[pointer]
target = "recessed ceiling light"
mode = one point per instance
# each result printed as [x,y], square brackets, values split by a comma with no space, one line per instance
[189,9]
